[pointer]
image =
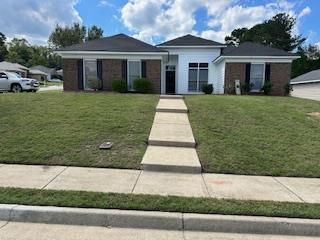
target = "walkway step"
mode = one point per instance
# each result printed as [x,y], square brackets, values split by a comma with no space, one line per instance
[171,159]
[171,97]
[171,135]
[172,105]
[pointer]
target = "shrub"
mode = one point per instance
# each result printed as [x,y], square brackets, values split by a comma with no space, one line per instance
[207,88]
[287,89]
[267,88]
[142,85]
[119,85]
[247,87]
[94,83]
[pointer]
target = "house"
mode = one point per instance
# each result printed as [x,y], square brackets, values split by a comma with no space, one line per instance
[14,67]
[307,85]
[178,66]
[38,75]
[50,72]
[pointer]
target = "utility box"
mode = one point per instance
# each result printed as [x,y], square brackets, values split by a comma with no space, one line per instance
[237,87]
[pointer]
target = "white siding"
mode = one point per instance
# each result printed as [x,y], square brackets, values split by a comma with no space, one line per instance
[193,55]
[306,90]
[219,74]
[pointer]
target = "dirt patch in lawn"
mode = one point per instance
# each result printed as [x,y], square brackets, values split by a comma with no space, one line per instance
[314,114]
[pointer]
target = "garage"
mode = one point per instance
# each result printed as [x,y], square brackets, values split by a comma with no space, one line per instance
[307,85]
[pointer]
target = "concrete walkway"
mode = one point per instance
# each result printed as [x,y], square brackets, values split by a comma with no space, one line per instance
[171,141]
[161,183]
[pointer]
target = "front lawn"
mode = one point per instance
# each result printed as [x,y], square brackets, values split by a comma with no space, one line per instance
[256,135]
[59,128]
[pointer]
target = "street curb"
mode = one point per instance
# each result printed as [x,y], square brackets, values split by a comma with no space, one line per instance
[160,220]
[170,168]
[169,110]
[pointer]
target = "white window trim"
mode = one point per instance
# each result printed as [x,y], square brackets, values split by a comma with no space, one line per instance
[198,75]
[128,71]
[263,75]
[84,72]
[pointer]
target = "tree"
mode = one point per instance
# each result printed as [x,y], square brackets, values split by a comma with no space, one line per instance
[19,51]
[309,60]
[276,32]
[3,47]
[94,32]
[66,36]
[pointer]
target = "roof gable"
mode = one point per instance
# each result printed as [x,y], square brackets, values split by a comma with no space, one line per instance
[190,40]
[254,49]
[116,43]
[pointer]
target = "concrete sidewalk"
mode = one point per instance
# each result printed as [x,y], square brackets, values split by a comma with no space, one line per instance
[161,183]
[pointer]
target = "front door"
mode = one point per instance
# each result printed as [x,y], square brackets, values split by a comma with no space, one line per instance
[170,80]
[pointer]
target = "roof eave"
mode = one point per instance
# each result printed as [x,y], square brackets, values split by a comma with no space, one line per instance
[291,57]
[110,53]
[192,46]
[302,82]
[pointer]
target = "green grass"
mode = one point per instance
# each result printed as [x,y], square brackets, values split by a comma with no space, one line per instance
[82,199]
[256,135]
[67,128]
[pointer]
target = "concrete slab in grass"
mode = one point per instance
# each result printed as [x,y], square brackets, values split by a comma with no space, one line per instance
[307,189]
[171,96]
[32,231]
[172,159]
[171,105]
[175,135]
[26,176]
[178,184]
[247,188]
[173,118]
[95,179]
[236,236]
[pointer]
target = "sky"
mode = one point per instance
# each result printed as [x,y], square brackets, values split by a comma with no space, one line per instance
[154,21]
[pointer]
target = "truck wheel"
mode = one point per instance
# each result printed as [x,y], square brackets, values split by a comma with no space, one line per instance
[16,88]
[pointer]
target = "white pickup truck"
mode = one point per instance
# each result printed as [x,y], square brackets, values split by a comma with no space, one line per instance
[14,83]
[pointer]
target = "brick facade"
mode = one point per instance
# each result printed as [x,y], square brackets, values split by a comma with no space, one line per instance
[154,74]
[111,69]
[70,74]
[280,75]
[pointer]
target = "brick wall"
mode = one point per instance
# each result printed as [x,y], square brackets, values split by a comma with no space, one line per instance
[234,71]
[154,74]
[70,74]
[280,75]
[111,69]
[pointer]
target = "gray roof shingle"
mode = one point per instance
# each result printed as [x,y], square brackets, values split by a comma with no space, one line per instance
[190,40]
[254,49]
[307,77]
[116,43]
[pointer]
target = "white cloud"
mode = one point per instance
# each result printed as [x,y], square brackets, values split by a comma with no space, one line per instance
[35,19]
[173,18]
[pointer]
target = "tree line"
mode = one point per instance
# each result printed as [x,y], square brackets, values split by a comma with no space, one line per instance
[276,32]
[22,52]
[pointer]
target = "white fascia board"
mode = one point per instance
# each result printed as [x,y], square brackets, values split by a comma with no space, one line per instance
[302,82]
[253,58]
[111,55]
[204,46]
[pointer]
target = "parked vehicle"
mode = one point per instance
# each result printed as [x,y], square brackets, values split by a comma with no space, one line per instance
[14,83]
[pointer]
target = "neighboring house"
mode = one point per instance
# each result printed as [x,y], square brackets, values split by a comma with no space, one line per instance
[307,85]
[38,75]
[49,71]
[14,67]
[179,66]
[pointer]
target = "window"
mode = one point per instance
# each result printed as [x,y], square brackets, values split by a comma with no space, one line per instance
[134,72]
[198,76]
[257,76]
[90,73]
